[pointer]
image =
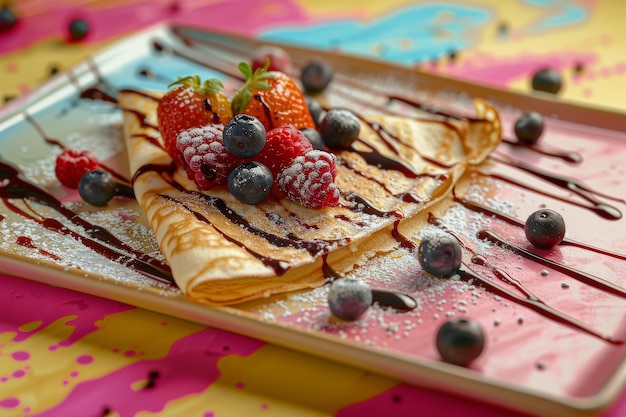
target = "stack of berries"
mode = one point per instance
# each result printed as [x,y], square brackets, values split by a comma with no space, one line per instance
[253,143]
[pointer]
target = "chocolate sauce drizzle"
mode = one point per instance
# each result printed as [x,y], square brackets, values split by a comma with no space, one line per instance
[567,183]
[533,304]
[481,208]
[584,277]
[279,267]
[385,298]
[361,204]
[16,188]
[529,299]
[567,156]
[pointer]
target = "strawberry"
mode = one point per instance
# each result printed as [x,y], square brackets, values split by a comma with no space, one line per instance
[309,180]
[191,104]
[272,97]
[72,164]
[279,59]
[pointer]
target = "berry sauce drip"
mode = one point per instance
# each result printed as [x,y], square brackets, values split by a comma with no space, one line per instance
[27,242]
[115,250]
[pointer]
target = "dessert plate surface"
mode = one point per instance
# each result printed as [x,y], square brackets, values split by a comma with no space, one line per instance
[554,320]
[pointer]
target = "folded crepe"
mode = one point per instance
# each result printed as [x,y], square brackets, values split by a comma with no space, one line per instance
[223,251]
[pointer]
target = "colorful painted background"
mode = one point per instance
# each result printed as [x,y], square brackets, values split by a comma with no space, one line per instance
[68,354]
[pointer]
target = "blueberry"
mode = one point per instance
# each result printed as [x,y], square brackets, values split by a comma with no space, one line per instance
[7,19]
[314,137]
[244,136]
[78,29]
[503,28]
[547,80]
[460,341]
[545,228]
[97,187]
[340,128]
[440,255]
[529,127]
[250,182]
[316,75]
[349,298]
[315,108]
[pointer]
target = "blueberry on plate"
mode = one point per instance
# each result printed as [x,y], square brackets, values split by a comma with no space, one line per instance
[529,127]
[78,29]
[545,228]
[440,255]
[244,136]
[97,187]
[315,108]
[250,182]
[316,75]
[314,137]
[460,341]
[547,80]
[340,128]
[349,298]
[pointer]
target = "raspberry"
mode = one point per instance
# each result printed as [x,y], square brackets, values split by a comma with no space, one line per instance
[208,163]
[71,164]
[282,145]
[309,180]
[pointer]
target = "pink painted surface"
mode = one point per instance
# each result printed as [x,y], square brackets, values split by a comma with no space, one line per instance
[24,302]
[110,22]
[190,366]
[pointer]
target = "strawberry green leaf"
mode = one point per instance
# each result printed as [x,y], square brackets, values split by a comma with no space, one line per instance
[245,69]
[205,88]
[211,86]
[260,85]
[254,82]
[190,80]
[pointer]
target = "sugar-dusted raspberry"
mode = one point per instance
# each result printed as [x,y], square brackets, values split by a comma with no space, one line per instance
[71,164]
[309,180]
[282,145]
[208,163]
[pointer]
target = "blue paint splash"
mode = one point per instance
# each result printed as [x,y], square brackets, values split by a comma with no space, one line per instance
[409,35]
[561,13]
